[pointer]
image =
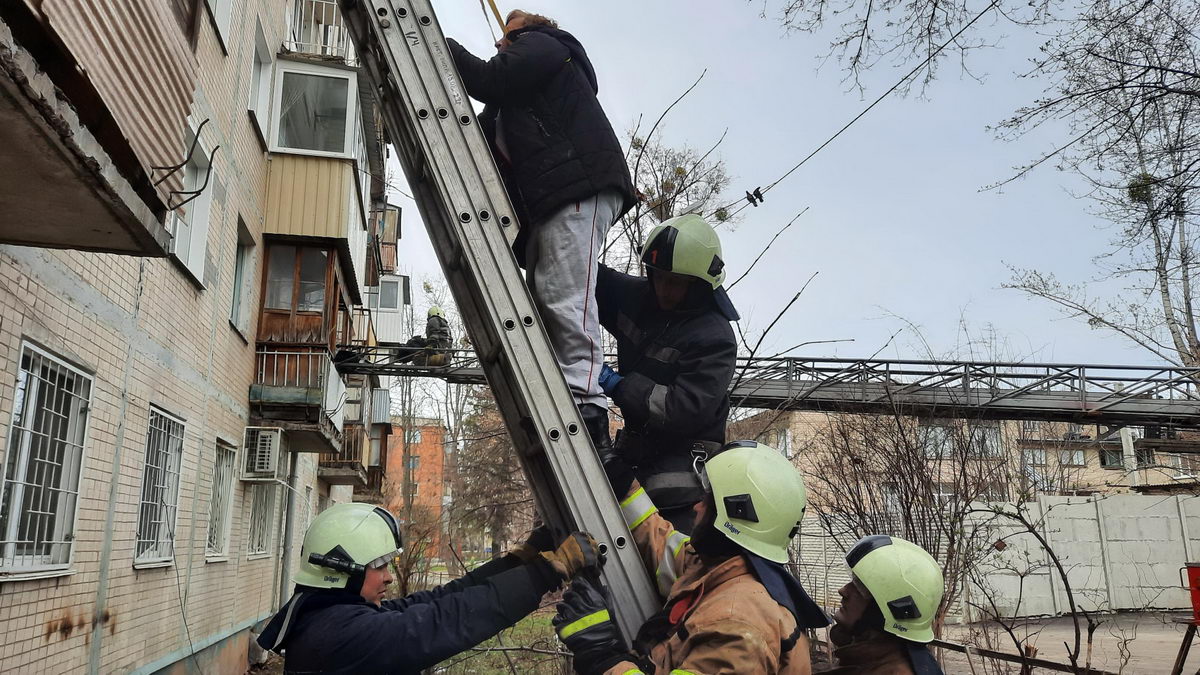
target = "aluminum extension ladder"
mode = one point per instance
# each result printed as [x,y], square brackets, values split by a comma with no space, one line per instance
[472,224]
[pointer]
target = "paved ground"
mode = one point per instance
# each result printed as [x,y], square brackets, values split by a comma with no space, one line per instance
[1149,641]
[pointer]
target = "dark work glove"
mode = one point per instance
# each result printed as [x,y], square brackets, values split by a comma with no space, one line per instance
[540,540]
[585,626]
[619,473]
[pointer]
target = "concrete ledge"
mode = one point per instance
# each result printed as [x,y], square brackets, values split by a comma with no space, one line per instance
[61,188]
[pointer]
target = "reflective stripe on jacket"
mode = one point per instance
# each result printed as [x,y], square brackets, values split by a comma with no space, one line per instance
[723,622]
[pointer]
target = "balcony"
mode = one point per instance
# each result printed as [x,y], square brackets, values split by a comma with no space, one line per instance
[77,147]
[348,467]
[297,388]
[317,29]
[312,198]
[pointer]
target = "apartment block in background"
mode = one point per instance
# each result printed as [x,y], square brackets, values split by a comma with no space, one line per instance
[420,473]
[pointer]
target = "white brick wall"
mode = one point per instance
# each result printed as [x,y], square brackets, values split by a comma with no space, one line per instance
[150,336]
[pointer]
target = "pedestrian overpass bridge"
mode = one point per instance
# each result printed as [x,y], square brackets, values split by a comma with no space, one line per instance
[1086,394]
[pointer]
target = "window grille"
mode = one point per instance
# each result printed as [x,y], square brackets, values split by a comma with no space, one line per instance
[160,489]
[224,466]
[262,508]
[42,465]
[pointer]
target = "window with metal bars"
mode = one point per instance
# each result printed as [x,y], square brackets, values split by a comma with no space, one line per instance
[262,507]
[160,489]
[42,465]
[220,499]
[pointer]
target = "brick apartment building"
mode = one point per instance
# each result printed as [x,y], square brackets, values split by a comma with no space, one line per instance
[192,219]
[420,470]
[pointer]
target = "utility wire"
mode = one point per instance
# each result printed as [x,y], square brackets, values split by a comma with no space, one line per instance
[924,62]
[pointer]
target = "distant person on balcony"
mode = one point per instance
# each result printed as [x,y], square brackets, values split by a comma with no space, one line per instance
[429,349]
[338,621]
[676,354]
[566,174]
[888,608]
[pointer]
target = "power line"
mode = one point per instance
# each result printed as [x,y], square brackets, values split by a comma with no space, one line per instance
[757,196]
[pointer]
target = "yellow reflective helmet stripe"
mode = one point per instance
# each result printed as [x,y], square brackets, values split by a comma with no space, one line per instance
[583,623]
[666,574]
[637,507]
[677,671]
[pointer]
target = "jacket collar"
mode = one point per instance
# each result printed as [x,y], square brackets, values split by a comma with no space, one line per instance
[702,579]
[305,601]
[871,648]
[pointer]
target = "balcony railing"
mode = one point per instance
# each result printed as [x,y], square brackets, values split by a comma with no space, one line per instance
[319,29]
[348,467]
[300,377]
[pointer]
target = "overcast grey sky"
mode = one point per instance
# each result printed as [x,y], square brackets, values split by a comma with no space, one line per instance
[898,227]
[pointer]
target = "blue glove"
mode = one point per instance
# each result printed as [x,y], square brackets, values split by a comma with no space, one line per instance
[609,379]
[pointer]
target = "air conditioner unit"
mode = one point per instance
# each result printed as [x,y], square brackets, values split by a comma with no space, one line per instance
[264,454]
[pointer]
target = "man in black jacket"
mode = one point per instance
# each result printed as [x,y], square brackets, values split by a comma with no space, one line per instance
[338,622]
[566,175]
[676,354]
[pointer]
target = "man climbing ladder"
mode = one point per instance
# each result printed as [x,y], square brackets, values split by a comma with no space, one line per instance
[566,173]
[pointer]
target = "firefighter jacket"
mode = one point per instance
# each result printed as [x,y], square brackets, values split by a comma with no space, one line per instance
[879,653]
[717,620]
[675,369]
[337,631]
[437,332]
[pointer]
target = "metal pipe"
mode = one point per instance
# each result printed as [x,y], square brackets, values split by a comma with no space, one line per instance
[285,576]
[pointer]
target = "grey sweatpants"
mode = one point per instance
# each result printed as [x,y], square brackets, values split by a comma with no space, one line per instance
[562,261]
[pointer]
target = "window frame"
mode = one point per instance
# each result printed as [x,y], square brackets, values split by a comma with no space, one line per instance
[221,14]
[16,571]
[944,437]
[412,436]
[382,284]
[262,68]
[1076,453]
[986,441]
[257,489]
[282,67]
[226,518]
[243,272]
[200,207]
[1117,452]
[298,249]
[142,560]
[1144,458]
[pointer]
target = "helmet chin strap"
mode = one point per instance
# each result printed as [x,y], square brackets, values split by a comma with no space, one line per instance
[708,541]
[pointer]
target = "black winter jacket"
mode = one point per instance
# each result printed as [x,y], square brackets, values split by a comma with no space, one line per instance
[676,368]
[437,331]
[337,631]
[561,147]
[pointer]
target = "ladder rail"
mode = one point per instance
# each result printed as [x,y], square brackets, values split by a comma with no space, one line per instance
[466,210]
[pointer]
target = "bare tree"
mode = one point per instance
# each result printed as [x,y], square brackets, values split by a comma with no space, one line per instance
[890,474]
[869,33]
[1131,90]
[492,493]
[667,178]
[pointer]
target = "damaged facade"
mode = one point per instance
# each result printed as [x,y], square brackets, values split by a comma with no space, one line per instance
[192,221]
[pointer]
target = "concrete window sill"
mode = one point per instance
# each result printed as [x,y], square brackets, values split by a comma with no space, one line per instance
[30,576]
